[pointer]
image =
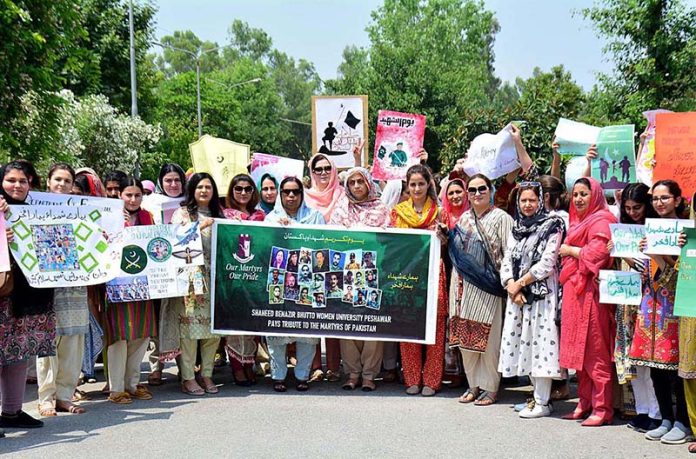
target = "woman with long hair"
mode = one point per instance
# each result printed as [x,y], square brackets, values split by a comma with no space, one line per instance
[129,325]
[420,211]
[635,207]
[242,201]
[587,327]
[292,209]
[656,337]
[202,204]
[27,321]
[476,248]
[58,375]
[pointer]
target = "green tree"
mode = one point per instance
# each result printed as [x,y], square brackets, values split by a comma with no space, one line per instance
[433,57]
[653,46]
[173,60]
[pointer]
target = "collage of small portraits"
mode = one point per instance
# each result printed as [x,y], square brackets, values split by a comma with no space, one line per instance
[311,277]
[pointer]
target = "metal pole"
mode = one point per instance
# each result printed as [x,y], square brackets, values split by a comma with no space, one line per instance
[198,96]
[134,84]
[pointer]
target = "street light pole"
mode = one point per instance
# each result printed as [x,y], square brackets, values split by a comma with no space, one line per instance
[134,80]
[198,97]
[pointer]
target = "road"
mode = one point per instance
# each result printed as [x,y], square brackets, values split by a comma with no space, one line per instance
[326,421]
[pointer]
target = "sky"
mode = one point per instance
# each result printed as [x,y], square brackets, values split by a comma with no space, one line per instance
[534,33]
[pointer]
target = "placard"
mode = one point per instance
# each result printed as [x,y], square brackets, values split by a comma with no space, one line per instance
[492,155]
[646,155]
[324,282]
[675,149]
[615,165]
[685,297]
[157,262]
[662,235]
[4,250]
[574,138]
[161,207]
[620,287]
[398,140]
[278,166]
[339,123]
[626,239]
[221,158]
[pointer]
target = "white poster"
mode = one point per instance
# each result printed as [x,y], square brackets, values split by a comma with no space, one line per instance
[662,235]
[492,155]
[157,262]
[278,166]
[620,287]
[161,207]
[339,123]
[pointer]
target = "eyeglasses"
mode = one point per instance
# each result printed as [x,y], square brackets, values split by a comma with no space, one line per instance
[481,190]
[245,189]
[322,170]
[662,199]
[291,191]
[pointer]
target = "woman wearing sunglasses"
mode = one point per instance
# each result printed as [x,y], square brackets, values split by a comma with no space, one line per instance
[587,327]
[323,195]
[476,249]
[291,209]
[242,201]
[529,273]
[656,336]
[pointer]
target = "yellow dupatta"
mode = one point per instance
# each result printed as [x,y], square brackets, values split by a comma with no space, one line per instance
[405,216]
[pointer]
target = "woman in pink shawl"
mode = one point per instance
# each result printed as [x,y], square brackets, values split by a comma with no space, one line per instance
[360,206]
[323,195]
[454,202]
[587,327]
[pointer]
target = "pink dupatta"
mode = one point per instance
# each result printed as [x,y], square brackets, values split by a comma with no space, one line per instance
[324,201]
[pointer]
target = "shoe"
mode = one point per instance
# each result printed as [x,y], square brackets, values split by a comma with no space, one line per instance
[535,410]
[19,420]
[368,385]
[413,390]
[639,423]
[657,434]
[390,376]
[576,415]
[333,376]
[521,406]
[120,398]
[678,435]
[155,378]
[316,376]
[562,392]
[428,391]
[653,424]
[595,421]
[302,386]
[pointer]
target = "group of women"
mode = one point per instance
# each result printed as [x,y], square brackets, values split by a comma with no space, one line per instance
[517,296]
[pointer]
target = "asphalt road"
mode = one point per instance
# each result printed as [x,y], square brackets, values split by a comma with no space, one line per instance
[326,421]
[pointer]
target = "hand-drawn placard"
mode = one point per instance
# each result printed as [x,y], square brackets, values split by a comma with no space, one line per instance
[662,235]
[339,123]
[646,155]
[492,155]
[685,297]
[620,287]
[56,246]
[104,212]
[398,140]
[626,239]
[675,149]
[156,262]
[221,158]
[615,165]
[278,166]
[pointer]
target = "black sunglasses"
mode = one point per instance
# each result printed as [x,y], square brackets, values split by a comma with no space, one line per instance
[481,189]
[291,191]
[246,189]
[322,170]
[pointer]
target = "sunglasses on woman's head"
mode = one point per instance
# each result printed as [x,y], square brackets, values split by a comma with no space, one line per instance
[530,184]
[246,189]
[291,191]
[481,189]
[322,170]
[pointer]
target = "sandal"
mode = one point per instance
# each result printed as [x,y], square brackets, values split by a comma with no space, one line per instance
[317,375]
[470,396]
[279,386]
[692,447]
[197,390]
[46,409]
[155,378]
[141,393]
[302,386]
[80,396]
[333,376]
[120,398]
[64,407]
[351,384]
[486,398]
[209,386]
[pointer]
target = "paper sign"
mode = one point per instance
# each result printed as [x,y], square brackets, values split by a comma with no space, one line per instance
[161,207]
[4,252]
[157,262]
[104,212]
[575,138]
[56,247]
[278,166]
[620,287]
[662,235]
[685,297]
[615,166]
[626,239]
[644,167]
[339,123]
[398,140]
[221,158]
[492,155]
[675,149]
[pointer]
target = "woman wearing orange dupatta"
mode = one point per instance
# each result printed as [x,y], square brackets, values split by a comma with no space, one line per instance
[421,212]
[588,327]
[323,195]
